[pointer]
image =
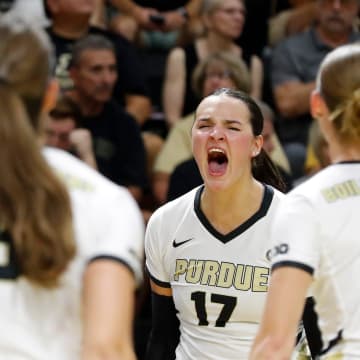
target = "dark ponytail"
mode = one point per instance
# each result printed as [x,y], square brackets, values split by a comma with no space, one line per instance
[264,170]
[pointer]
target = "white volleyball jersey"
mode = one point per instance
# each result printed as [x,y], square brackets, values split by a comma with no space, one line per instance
[219,282]
[317,229]
[42,324]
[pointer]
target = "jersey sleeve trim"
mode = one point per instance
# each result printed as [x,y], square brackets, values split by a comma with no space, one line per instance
[112,258]
[293,264]
[158,282]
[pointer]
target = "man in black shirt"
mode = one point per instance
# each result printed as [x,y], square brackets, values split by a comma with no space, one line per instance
[69,23]
[118,145]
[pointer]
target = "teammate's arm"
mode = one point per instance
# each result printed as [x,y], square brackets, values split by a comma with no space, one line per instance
[164,336]
[282,314]
[108,310]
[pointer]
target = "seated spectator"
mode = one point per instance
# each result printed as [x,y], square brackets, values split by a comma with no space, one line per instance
[70,21]
[63,130]
[157,23]
[223,21]
[118,145]
[300,15]
[295,62]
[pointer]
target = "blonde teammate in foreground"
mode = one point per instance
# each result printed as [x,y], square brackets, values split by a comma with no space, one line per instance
[69,264]
[316,232]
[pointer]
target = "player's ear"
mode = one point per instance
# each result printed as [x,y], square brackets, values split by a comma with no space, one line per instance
[318,107]
[257,146]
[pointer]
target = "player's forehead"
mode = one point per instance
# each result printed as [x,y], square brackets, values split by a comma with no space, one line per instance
[222,107]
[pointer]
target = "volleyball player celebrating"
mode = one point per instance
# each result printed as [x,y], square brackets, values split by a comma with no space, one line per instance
[68,263]
[206,252]
[316,230]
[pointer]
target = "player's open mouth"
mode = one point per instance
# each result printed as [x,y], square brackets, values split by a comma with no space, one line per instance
[217,160]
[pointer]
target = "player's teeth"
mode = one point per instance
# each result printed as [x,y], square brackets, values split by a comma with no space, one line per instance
[217,150]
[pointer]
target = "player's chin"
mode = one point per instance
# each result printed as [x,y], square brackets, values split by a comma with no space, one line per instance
[216,183]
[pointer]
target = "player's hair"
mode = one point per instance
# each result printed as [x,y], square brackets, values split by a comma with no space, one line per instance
[238,72]
[263,169]
[34,205]
[338,81]
[90,42]
[64,108]
[209,6]
[47,9]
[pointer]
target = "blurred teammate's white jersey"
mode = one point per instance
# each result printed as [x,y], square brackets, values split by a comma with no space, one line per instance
[317,230]
[46,324]
[219,282]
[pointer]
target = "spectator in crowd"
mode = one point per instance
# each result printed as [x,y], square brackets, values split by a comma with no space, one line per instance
[71,245]
[63,130]
[70,22]
[223,22]
[118,145]
[295,62]
[297,18]
[315,231]
[156,22]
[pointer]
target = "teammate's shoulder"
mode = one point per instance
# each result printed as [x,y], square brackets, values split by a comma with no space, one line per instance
[315,182]
[77,175]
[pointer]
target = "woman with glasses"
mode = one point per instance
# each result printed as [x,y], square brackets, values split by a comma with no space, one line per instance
[223,22]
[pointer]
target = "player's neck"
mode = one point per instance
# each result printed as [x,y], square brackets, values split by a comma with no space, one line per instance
[228,209]
[344,153]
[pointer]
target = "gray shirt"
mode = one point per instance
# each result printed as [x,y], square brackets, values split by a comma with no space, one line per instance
[297,58]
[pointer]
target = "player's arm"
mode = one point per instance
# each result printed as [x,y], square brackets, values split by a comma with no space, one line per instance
[174,86]
[164,336]
[282,314]
[108,310]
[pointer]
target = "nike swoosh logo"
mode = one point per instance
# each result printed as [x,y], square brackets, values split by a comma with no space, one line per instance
[176,244]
